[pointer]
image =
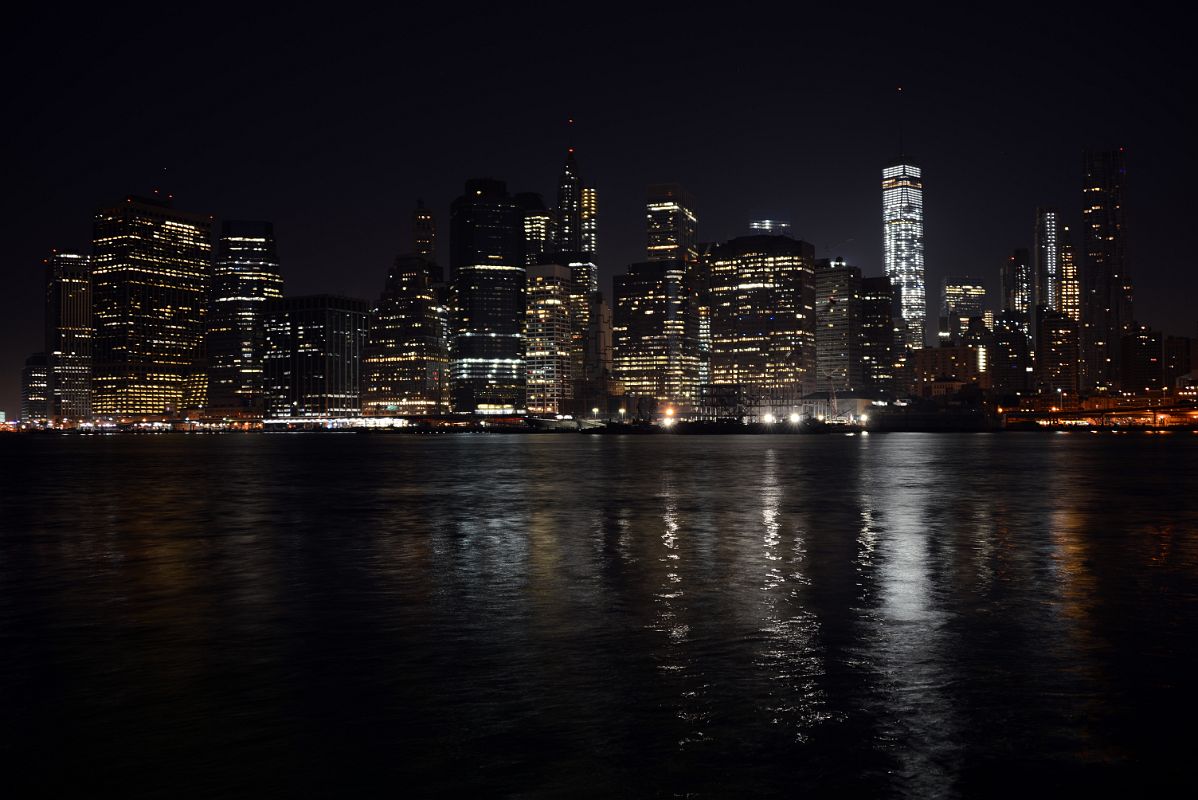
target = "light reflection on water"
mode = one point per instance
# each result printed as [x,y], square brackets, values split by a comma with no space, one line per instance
[310,615]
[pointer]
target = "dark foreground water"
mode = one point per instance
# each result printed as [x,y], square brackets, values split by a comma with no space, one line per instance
[354,615]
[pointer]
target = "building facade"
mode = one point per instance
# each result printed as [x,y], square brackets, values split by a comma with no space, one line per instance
[1106,284]
[314,348]
[877,335]
[961,299]
[35,384]
[69,338]
[1046,271]
[245,277]
[488,299]
[903,247]
[549,339]
[151,276]
[838,335]
[406,361]
[673,227]
[654,332]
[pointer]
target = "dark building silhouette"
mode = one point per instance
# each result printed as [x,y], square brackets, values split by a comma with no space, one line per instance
[69,338]
[569,206]
[1010,361]
[35,398]
[1058,354]
[1179,354]
[838,337]
[314,350]
[1106,285]
[245,277]
[424,232]
[488,299]
[1141,360]
[877,335]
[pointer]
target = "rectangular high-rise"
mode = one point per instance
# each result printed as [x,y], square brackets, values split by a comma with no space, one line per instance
[877,335]
[35,399]
[903,247]
[1046,270]
[838,357]
[549,339]
[672,224]
[313,357]
[654,332]
[961,299]
[245,276]
[151,274]
[1107,289]
[489,295]
[69,338]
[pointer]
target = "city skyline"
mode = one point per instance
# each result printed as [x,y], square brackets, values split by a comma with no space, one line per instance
[342,237]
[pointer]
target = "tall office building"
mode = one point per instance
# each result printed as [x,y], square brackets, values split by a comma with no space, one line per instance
[1107,290]
[672,224]
[902,238]
[69,337]
[1069,291]
[589,213]
[35,384]
[424,232]
[569,206]
[406,361]
[313,358]
[1180,353]
[245,277]
[1058,351]
[489,292]
[654,332]
[763,294]
[548,339]
[1017,282]
[593,388]
[961,299]
[1142,361]
[838,356]
[151,275]
[1009,360]
[538,226]
[877,335]
[1046,272]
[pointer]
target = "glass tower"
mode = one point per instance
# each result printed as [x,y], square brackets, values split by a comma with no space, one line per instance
[1047,273]
[672,224]
[902,238]
[69,337]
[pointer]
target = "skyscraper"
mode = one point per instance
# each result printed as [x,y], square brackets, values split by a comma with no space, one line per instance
[540,241]
[69,337]
[1017,282]
[151,273]
[877,334]
[654,332]
[763,295]
[838,359]
[902,238]
[1142,360]
[424,232]
[961,298]
[672,224]
[569,206]
[1107,290]
[1047,270]
[1069,289]
[244,277]
[590,221]
[548,340]
[1057,355]
[313,359]
[406,361]
[489,293]
[35,398]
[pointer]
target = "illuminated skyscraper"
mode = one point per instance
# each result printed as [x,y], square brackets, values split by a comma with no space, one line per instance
[548,341]
[838,326]
[1069,288]
[245,276]
[961,298]
[672,224]
[655,336]
[1046,275]
[1107,290]
[69,337]
[313,359]
[489,293]
[763,295]
[151,273]
[406,361]
[569,206]
[590,221]
[902,238]
[538,226]
[1017,282]
[424,232]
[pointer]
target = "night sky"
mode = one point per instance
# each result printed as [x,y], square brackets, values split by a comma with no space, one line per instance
[332,127]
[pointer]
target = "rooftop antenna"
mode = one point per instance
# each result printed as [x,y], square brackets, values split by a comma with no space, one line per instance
[570,135]
[902,152]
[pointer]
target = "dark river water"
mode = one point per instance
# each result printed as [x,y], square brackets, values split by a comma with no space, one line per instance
[538,616]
